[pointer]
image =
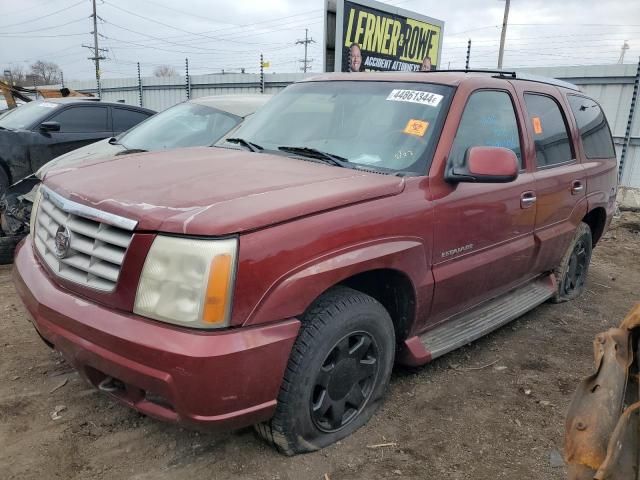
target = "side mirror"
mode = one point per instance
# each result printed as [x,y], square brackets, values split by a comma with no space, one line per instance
[486,165]
[50,127]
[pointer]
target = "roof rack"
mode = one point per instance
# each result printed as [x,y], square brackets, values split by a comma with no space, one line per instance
[502,73]
[515,76]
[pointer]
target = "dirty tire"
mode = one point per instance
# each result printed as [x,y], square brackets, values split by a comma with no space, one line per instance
[577,257]
[7,247]
[346,346]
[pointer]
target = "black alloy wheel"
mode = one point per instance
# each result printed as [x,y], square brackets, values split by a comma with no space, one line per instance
[344,382]
[571,273]
[577,271]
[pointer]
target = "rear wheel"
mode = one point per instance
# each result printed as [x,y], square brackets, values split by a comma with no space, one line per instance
[571,274]
[337,374]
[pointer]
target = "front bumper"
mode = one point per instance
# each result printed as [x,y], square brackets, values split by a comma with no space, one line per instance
[227,378]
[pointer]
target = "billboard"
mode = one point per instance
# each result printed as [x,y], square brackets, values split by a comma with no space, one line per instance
[364,35]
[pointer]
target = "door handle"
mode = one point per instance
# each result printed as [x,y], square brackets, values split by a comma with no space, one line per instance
[528,199]
[576,187]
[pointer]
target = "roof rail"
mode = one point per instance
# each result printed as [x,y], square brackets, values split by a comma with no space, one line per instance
[515,76]
[502,73]
[548,80]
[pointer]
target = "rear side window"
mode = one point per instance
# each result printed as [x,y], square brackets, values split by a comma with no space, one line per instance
[594,130]
[124,119]
[82,120]
[489,120]
[550,133]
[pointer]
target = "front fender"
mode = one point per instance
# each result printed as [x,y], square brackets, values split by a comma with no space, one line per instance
[292,294]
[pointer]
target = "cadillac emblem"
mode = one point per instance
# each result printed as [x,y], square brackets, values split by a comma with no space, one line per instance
[62,242]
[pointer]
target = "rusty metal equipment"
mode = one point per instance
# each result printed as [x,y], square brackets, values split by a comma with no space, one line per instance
[11,93]
[601,432]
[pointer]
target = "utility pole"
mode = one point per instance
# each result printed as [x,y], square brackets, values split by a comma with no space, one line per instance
[305,42]
[466,63]
[96,49]
[505,20]
[623,50]
[62,78]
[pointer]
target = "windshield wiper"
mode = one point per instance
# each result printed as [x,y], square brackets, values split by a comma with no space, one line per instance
[113,141]
[326,157]
[128,151]
[254,147]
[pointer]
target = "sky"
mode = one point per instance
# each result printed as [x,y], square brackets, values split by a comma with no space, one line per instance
[230,35]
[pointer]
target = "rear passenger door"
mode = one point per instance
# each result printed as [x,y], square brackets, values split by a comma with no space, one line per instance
[483,235]
[560,180]
[125,118]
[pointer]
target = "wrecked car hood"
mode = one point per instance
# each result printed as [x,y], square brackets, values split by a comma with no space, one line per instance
[215,191]
[101,149]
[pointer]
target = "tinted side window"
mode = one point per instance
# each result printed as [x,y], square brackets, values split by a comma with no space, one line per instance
[488,120]
[549,129]
[124,119]
[594,130]
[82,120]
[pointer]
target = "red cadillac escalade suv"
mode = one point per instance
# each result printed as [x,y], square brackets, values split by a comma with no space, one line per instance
[355,221]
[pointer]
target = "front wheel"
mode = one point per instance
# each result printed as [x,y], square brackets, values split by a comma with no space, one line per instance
[337,374]
[571,274]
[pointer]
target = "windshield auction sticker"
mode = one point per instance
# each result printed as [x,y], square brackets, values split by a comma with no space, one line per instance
[416,127]
[415,96]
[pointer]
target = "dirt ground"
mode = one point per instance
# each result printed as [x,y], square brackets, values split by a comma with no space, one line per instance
[492,410]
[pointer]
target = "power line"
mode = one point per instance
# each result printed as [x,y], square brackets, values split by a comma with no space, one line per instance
[52,27]
[31,20]
[3,35]
[174,27]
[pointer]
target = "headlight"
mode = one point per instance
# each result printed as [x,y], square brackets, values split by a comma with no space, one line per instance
[34,211]
[188,282]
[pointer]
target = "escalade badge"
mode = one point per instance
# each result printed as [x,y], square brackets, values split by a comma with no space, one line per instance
[62,242]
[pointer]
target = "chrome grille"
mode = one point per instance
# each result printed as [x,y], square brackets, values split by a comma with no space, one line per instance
[96,246]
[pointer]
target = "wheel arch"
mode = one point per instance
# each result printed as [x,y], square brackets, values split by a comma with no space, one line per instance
[596,219]
[394,272]
[394,290]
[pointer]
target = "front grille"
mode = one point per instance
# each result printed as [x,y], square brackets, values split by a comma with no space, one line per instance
[92,249]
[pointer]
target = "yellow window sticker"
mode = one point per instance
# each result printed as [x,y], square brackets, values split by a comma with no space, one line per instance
[416,127]
[537,125]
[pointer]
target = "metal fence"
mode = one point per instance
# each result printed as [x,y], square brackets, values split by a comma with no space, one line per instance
[161,93]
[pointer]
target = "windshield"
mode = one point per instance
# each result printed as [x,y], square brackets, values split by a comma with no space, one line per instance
[184,125]
[389,126]
[27,115]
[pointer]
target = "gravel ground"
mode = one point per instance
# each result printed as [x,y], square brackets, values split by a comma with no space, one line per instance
[491,410]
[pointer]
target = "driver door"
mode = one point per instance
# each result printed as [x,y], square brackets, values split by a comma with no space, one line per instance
[80,125]
[483,235]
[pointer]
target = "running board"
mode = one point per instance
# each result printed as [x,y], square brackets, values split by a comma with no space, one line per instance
[489,316]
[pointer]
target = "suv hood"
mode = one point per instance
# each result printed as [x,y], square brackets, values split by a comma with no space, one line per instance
[215,191]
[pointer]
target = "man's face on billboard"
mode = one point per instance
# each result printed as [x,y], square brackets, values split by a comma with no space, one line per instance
[355,58]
